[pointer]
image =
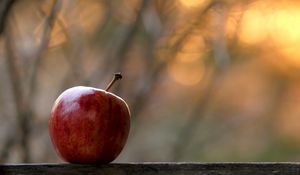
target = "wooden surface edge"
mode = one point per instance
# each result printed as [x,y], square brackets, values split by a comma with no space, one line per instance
[149,168]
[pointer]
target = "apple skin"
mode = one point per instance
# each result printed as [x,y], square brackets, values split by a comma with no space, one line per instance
[89,125]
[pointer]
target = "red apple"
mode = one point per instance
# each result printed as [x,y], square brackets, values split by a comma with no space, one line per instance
[89,125]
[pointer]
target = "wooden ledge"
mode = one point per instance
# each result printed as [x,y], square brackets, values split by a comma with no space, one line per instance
[285,168]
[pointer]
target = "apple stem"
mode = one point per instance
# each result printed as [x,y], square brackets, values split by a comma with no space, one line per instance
[117,76]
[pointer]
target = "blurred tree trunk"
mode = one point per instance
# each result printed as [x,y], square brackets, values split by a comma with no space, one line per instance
[5,7]
[23,97]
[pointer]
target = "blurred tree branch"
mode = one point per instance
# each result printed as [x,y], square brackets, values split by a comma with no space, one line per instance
[45,38]
[75,50]
[197,113]
[150,80]
[124,41]
[128,37]
[221,63]
[103,26]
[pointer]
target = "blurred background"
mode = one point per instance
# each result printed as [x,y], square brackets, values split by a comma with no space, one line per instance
[206,80]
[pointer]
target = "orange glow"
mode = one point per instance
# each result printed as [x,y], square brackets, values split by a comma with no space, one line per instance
[192,49]
[186,73]
[58,32]
[90,15]
[254,28]
[286,26]
[192,3]
[188,68]
[58,35]
[230,27]
[285,32]
[281,24]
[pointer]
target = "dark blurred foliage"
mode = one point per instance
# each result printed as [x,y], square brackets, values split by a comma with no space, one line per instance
[206,80]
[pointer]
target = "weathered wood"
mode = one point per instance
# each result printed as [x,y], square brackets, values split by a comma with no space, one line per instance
[154,168]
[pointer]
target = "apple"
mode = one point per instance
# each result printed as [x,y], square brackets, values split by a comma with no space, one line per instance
[89,125]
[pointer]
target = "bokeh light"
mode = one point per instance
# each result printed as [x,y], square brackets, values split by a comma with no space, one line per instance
[192,3]
[285,31]
[186,72]
[254,27]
